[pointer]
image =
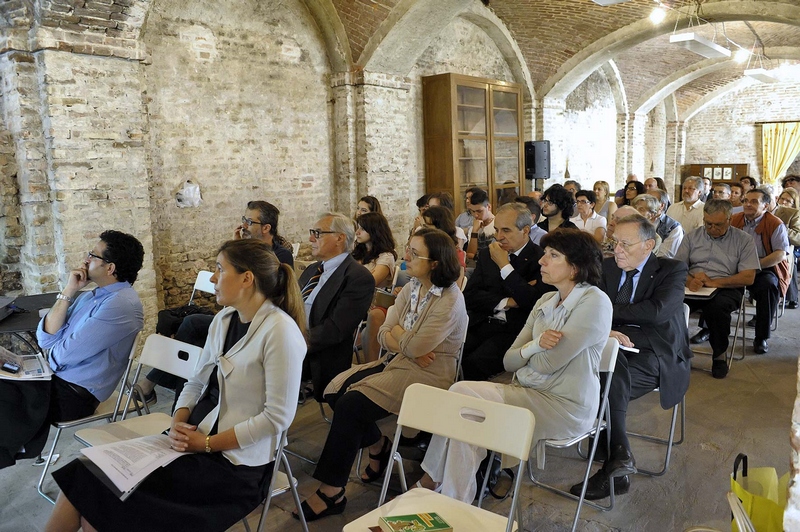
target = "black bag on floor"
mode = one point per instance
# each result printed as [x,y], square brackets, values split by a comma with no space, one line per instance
[494,476]
[170,319]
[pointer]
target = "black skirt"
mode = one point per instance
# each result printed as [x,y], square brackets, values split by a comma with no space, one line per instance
[199,492]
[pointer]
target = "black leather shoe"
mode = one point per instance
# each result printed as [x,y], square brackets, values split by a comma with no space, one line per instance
[599,486]
[700,337]
[719,369]
[751,322]
[760,346]
[622,462]
[792,305]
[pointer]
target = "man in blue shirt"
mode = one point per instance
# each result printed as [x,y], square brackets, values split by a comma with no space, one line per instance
[87,336]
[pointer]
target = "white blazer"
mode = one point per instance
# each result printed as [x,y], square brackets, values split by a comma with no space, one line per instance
[259,380]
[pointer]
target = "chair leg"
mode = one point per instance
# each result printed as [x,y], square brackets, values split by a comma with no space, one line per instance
[46,468]
[322,411]
[295,494]
[668,443]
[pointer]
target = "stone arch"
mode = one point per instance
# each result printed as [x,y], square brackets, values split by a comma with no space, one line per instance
[333,33]
[709,98]
[698,70]
[614,78]
[582,64]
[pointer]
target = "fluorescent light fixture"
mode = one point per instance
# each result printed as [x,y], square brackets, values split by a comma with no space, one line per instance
[741,55]
[760,74]
[699,45]
[609,2]
[658,15]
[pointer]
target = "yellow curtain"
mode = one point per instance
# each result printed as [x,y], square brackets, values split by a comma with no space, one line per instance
[780,144]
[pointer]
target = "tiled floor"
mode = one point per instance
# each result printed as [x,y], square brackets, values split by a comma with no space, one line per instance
[749,411]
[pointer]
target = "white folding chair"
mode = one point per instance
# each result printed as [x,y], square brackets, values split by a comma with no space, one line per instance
[202,283]
[295,249]
[607,362]
[781,308]
[108,410]
[739,515]
[401,276]
[670,440]
[280,483]
[160,352]
[471,420]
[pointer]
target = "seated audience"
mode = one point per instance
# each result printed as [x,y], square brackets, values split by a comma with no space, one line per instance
[647,294]
[194,328]
[651,207]
[737,194]
[748,183]
[229,416]
[722,257]
[573,186]
[689,212]
[445,199]
[368,204]
[604,206]
[536,212]
[721,191]
[619,196]
[772,246]
[788,210]
[375,250]
[337,292]
[422,206]
[501,292]
[558,205]
[555,360]
[706,193]
[87,337]
[632,189]
[465,219]
[424,328]
[608,243]
[482,232]
[442,219]
[653,183]
[587,219]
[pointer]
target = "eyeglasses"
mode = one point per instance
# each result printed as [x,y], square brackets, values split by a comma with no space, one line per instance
[90,256]
[583,202]
[624,245]
[316,232]
[631,188]
[547,202]
[790,180]
[248,222]
[413,253]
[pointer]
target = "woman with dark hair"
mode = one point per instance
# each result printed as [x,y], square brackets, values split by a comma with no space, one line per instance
[368,204]
[558,204]
[442,219]
[555,360]
[424,330]
[375,247]
[587,219]
[228,419]
[632,189]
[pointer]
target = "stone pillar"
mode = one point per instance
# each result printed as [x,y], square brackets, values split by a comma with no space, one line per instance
[621,168]
[549,124]
[636,140]
[675,154]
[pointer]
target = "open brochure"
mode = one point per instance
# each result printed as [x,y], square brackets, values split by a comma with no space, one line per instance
[125,464]
[23,367]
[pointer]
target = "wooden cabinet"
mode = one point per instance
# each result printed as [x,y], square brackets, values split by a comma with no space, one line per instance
[717,172]
[473,136]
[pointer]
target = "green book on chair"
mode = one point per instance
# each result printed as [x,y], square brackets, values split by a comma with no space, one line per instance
[425,522]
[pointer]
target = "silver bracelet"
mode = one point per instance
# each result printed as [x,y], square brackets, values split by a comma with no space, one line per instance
[65,298]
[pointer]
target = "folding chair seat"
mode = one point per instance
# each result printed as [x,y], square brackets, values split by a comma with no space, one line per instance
[280,483]
[486,425]
[108,410]
[608,361]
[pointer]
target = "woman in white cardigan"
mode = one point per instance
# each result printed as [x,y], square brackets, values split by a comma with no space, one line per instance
[555,360]
[228,418]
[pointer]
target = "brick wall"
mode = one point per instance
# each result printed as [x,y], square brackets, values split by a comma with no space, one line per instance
[238,102]
[735,116]
[10,227]
[655,138]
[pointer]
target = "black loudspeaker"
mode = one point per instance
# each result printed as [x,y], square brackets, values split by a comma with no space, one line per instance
[537,159]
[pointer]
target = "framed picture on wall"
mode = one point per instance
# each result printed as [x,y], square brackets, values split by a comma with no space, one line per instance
[707,172]
[727,174]
[717,173]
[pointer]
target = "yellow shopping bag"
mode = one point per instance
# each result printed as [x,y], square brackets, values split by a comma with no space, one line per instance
[763,496]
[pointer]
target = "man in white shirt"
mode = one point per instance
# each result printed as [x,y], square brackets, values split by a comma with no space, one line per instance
[651,207]
[689,212]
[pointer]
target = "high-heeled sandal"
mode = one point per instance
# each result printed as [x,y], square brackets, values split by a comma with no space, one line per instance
[383,458]
[331,507]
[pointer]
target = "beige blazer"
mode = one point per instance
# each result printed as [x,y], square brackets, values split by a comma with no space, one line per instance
[440,328]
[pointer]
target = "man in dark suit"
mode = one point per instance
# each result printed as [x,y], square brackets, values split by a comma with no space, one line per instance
[647,293]
[337,292]
[501,292]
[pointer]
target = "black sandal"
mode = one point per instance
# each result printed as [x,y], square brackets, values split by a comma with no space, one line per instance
[383,458]
[331,507]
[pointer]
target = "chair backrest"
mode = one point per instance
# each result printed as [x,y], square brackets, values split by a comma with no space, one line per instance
[295,249]
[468,419]
[460,357]
[170,355]
[202,283]
[401,276]
[124,383]
[609,357]
[686,312]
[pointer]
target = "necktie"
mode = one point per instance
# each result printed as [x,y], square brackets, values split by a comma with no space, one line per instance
[312,283]
[512,258]
[625,293]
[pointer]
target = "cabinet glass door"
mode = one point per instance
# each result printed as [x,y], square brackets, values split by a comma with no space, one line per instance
[504,109]
[471,111]
[472,162]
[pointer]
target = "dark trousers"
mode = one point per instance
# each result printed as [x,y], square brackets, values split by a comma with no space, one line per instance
[69,401]
[766,292]
[717,316]
[791,293]
[487,343]
[635,375]
[354,427]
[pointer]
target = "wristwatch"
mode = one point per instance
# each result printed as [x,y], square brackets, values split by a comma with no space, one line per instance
[65,298]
